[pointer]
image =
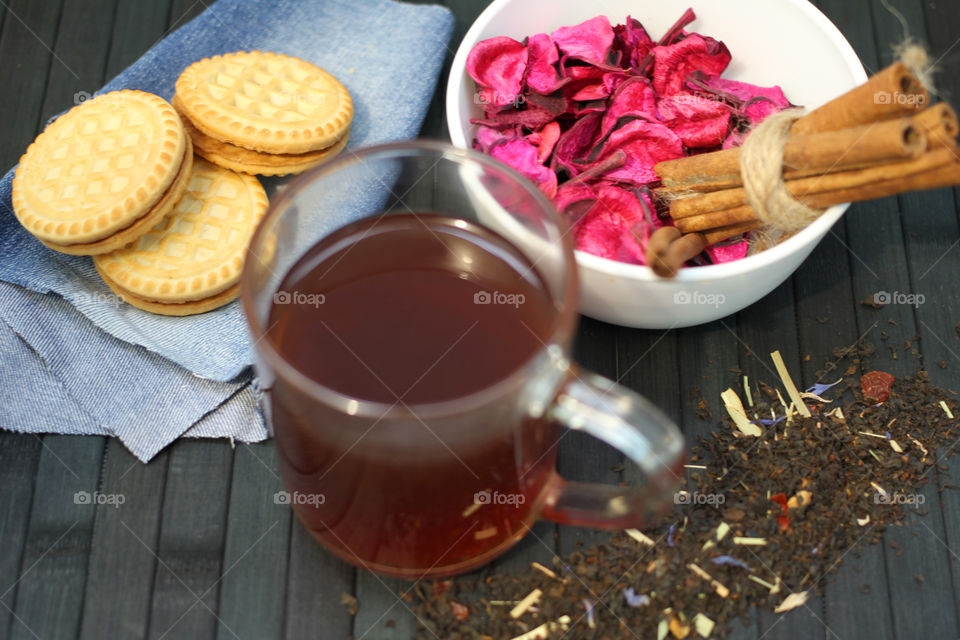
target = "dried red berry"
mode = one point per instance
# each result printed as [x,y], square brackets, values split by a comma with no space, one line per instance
[876,386]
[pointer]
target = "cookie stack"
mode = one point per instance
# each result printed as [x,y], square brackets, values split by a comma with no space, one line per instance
[263,113]
[116,177]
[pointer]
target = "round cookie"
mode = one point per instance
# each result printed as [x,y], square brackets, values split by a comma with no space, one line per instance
[265,101]
[99,168]
[256,162]
[126,236]
[190,262]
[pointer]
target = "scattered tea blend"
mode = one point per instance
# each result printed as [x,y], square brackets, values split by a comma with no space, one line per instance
[773,502]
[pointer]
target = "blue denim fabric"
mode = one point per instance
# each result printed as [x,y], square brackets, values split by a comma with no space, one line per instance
[153,377]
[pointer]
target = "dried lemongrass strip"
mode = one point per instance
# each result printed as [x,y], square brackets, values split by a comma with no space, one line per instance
[640,537]
[695,466]
[737,413]
[703,625]
[469,511]
[946,409]
[543,631]
[762,582]
[483,534]
[722,529]
[750,542]
[721,590]
[793,601]
[526,603]
[896,446]
[788,383]
[919,445]
[746,391]
[544,570]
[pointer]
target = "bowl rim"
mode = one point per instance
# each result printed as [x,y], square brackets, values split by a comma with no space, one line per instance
[800,241]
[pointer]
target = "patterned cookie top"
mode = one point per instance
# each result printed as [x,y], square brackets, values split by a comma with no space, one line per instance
[198,250]
[265,101]
[99,167]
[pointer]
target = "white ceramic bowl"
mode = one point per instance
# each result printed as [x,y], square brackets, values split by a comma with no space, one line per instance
[784,42]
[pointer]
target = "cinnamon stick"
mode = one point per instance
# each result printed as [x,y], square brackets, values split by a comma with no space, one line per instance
[940,125]
[803,155]
[890,93]
[701,206]
[935,176]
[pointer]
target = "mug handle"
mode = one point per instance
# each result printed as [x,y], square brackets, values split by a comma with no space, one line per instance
[626,421]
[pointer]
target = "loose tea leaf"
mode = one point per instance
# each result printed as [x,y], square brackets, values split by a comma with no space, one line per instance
[836,476]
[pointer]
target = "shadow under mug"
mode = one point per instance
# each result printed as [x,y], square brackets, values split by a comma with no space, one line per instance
[431,490]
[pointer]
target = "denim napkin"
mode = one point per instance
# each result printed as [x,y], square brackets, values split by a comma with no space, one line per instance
[74,360]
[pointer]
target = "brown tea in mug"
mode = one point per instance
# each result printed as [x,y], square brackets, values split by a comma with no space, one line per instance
[411,310]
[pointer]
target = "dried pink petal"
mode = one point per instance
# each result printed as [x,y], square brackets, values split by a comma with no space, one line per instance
[613,227]
[547,140]
[721,253]
[542,57]
[589,41]
[645,143]
[632,41]
[576,143]
[700,122]
[497,65]
[672,63]
[487,136]
[522,156]
[532,118]
[635,97]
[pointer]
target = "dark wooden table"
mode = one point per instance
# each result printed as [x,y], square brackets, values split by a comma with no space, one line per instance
[200,550]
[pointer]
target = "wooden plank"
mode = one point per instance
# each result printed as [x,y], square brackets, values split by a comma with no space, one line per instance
[582,457]
[27,32]
[317,580]
[136,27]
[25,47]
[50,593]
[80,54]
[933,271]
[190,547]
[256,549]
[383,613]
[770,325]
[878,244]
[705,354]
[123,551]
[183,11]
[19,455]
[826,320]
[50,597]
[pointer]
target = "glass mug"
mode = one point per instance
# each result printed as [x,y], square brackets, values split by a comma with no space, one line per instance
[413,440]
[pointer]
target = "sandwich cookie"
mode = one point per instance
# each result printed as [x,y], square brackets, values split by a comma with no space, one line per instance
[103,174]
[191,262]
[264,113]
